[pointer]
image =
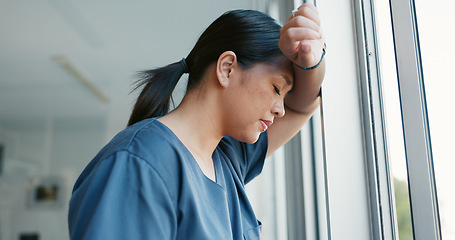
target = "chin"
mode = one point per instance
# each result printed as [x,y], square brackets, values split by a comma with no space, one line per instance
[247,135]
[250,138]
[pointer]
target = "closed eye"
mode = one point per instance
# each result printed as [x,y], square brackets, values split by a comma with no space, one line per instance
[277,90]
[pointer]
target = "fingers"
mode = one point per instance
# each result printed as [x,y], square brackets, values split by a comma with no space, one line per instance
[300,21]
[308,10]
[306,16]
[299,34]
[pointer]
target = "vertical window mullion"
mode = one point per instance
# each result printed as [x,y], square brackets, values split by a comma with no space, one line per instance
[422,190]
[381,202]
[320,184]
[293,165]
[367,117]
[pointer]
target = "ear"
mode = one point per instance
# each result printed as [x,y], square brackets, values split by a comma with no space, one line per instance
[225,67]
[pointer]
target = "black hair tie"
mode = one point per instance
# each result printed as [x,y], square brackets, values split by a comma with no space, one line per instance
[184,66]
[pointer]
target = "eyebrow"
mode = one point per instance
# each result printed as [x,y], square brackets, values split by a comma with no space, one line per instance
[288,81]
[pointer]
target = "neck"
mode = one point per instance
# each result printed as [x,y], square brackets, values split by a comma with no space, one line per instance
[196,123]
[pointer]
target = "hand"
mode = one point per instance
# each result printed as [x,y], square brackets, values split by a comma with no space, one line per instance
[301,38]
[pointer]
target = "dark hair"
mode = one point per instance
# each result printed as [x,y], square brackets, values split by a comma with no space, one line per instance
[252,35]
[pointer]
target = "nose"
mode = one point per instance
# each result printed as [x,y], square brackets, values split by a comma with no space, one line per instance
[278,109]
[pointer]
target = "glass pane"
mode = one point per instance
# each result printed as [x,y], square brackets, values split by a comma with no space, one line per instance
[436,35]
[394,129]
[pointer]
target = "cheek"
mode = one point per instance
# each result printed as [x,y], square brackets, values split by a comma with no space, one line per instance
[261,98]
[253,98]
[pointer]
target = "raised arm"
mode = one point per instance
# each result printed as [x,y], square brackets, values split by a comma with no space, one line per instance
[303,43]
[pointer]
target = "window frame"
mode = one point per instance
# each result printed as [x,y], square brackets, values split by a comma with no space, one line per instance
[321,177]
[419,159]
[378,178]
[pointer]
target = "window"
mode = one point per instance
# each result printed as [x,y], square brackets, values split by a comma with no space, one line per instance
[395,146]
[438,69]
[364,136]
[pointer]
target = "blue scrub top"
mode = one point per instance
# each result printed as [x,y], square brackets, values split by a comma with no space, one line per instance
[145,184]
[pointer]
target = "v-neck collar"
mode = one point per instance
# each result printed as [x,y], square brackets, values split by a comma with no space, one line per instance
[219,177]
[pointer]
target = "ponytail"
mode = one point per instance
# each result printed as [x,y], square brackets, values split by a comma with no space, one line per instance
[156,95]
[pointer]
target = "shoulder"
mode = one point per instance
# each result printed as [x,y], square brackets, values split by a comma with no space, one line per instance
[149,140]
[147,147]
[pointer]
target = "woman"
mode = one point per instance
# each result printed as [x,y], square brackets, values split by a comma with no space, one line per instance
[181,175]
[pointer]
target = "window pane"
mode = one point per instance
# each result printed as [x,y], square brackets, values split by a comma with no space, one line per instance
[395,143]
[436,35]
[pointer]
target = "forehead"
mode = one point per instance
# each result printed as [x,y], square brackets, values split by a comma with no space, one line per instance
[278,70]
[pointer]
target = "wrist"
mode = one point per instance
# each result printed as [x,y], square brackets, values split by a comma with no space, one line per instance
[317,64]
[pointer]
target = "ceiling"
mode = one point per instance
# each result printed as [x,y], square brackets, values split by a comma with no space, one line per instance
[105,42]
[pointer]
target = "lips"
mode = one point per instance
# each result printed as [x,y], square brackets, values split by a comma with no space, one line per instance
[265,124]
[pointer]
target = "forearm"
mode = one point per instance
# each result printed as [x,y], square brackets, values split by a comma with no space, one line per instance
[304,98]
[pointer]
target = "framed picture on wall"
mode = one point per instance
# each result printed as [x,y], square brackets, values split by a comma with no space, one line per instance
[29,236]
[46,192]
